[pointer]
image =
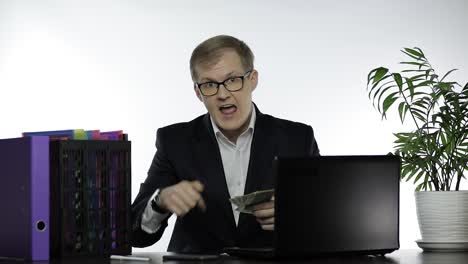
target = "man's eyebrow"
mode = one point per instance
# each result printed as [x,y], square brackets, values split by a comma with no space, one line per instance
[207,79]
[203,80]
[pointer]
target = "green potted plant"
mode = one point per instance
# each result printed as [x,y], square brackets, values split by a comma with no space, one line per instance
[435,154]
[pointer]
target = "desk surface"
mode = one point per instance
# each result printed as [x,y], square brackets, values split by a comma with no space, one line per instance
[405,256]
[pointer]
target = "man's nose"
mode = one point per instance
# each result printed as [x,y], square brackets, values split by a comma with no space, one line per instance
[223,93]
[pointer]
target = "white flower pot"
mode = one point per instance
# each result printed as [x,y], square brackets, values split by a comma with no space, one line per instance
[443,217]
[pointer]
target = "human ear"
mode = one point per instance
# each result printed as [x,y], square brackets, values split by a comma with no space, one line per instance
[254,79]
[197,92]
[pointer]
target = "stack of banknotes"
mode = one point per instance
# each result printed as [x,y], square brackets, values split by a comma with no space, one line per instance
[245,203]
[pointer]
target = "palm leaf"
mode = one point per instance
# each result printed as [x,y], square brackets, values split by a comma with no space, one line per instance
[447,74]
[388,101]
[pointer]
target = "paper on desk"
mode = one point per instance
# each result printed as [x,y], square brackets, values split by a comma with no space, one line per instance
[246,202]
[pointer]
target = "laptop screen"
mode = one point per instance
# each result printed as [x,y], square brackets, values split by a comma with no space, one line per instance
[336,204]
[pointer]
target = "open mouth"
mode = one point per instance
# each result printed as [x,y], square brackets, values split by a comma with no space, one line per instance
[228,109]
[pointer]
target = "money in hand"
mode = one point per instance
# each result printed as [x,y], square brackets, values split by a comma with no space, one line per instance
[246,202]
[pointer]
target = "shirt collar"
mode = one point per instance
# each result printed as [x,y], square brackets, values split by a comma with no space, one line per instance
[253,117]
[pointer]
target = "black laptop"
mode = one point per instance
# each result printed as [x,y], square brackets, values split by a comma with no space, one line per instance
[333,205]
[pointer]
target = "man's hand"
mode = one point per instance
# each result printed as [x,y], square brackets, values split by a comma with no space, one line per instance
[265,213]
[182,197]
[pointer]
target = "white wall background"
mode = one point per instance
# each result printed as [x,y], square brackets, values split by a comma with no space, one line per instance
[124,65]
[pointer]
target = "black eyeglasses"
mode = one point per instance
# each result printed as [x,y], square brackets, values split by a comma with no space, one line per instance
[232,84]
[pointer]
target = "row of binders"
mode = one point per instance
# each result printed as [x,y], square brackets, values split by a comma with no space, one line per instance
[80,134]
[65,193]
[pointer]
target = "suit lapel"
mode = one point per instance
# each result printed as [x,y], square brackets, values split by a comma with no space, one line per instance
[208,159]
[262,152]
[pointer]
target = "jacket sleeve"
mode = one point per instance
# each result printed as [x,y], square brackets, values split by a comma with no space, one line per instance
[160,175]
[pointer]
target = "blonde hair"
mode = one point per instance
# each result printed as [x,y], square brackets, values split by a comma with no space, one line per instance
[209,51]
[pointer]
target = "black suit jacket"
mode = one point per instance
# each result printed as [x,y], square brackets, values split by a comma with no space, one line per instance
[189,151]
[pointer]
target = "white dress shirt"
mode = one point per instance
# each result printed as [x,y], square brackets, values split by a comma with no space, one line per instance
[235,158]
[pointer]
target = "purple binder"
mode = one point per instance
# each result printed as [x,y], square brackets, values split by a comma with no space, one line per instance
[24,198]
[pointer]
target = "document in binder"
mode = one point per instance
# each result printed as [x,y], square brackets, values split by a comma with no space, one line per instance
[24,198]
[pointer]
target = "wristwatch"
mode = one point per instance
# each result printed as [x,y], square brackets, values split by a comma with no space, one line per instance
[156,203]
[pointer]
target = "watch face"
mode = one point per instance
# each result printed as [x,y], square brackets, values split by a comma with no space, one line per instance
[154,205]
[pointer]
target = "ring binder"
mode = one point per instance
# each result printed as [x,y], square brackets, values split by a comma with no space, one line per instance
[24,198]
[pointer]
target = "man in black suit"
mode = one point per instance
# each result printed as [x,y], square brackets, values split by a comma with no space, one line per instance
[227,152]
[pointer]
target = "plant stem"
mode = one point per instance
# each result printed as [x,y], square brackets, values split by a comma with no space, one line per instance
[459,176]
[434,175]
